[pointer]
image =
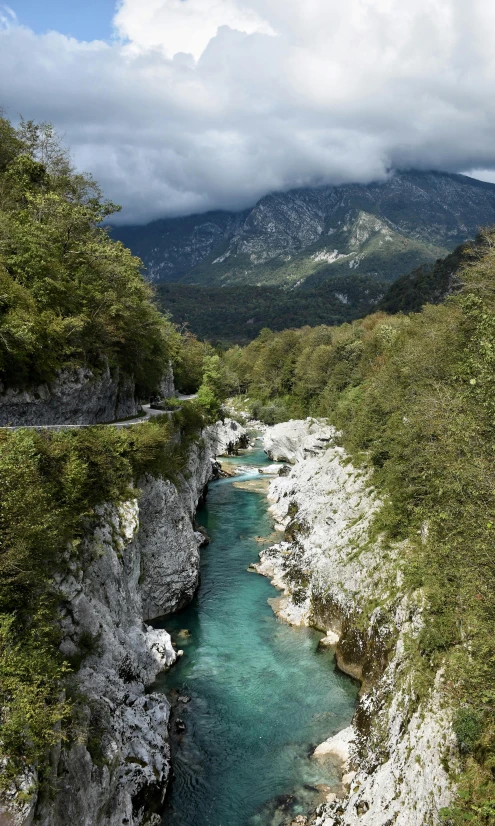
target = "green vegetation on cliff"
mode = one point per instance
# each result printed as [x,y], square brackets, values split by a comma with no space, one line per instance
[414,398]
[50,485]
[69,295]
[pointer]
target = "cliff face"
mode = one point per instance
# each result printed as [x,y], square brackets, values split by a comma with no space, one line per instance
[76,396]
[136,561]
[334,577]
[167,581]
[167,384]
[140,560]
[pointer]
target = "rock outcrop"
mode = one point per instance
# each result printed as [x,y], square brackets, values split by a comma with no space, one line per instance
[77,396]
[167,386]
[229,437]
[335,578]
[136,561]
[168,581]
[295,440]
[118,770]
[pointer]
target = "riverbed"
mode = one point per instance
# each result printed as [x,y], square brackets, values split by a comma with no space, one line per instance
[255,695]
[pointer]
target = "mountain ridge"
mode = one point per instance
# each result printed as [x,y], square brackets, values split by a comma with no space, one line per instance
[305,236]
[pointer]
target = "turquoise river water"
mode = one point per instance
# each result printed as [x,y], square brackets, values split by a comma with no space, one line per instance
[262,695]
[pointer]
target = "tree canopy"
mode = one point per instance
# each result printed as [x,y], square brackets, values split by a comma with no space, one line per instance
[69,294]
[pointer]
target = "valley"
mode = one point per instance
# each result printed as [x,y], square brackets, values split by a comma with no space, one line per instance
[130,649]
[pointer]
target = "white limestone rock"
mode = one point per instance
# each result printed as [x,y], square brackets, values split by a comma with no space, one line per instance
[326,506]
[137,560]
[337,746]
[228,437]
[295,440]
[18,804]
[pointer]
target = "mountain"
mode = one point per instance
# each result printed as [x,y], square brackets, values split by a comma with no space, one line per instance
[305,236]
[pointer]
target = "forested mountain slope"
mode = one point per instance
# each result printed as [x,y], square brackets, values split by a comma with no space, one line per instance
[431,284]
[413,400]
[304,236]
[236,315]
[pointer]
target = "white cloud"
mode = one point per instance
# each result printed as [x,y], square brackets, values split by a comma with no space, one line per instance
[212,103]
[175,26]
[487,175]
[7,17]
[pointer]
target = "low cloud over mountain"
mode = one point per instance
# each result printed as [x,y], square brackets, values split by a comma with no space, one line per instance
[202,104]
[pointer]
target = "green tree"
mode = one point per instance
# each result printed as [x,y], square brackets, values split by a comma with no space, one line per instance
[70,295]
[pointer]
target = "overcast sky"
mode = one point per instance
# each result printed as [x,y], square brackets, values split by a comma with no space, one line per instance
[179,106]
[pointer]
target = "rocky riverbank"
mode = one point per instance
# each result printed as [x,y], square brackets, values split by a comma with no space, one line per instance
[135,562]
[335,576]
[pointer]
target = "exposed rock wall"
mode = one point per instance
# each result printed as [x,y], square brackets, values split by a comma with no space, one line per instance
[136,561]
[168,581]
[122,759]
[76,396]
[140,560]
[167,385]
[229,436]
[333,577]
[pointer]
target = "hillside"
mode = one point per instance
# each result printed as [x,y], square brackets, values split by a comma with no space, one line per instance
[429,284]
[412,400]
[379,230]
[238,314]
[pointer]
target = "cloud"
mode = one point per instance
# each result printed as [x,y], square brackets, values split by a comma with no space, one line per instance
[203,104]
[487,175]
[187,26]
[8,17]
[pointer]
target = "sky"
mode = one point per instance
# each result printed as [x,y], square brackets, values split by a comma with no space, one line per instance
[181,106]
[88,20]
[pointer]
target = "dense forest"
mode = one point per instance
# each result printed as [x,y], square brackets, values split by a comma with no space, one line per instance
[428,284]
[413,397]
[236,315]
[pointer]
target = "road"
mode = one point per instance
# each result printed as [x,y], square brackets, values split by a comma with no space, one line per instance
[149,413]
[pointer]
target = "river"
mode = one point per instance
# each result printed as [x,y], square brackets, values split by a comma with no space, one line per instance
[261,694]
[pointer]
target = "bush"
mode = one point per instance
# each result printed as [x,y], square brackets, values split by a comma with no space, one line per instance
[468,727]
[171,403]
[271,413]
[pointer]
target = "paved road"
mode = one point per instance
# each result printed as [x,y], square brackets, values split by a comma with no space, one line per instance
[148,411]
